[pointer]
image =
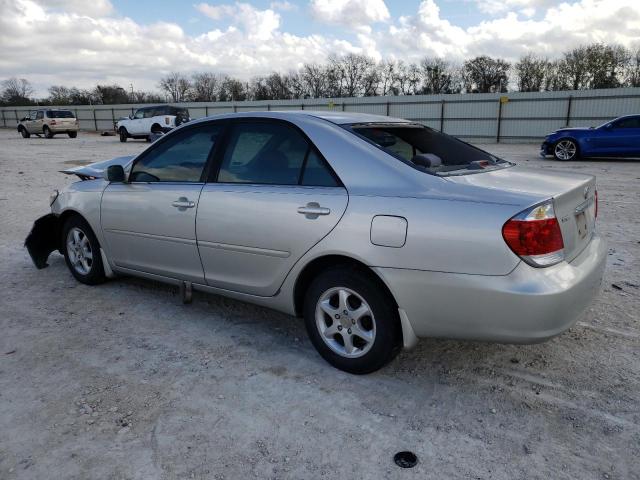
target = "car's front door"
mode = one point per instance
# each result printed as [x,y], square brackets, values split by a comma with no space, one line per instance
[136,125]
[149,222]
[29,124]
[271,200]
[621,137]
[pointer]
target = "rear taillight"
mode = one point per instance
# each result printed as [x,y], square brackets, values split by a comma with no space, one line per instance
[53,122]
[167,120]
[534,235]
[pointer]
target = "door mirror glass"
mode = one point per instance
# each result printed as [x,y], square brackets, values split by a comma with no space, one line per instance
[115,173]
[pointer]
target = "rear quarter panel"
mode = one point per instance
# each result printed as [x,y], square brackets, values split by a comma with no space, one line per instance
[442,235]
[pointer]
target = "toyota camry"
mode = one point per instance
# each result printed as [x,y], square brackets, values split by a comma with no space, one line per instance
[375,230]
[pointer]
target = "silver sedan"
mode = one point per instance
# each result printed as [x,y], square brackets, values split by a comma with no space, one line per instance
[375,230]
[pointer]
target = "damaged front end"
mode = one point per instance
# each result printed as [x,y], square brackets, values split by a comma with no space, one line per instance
[43,239]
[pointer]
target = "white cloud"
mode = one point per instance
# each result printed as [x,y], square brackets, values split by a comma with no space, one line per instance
[283,6]
[83,49]
[351,13]
[511,35]
[80,7]
[494,7]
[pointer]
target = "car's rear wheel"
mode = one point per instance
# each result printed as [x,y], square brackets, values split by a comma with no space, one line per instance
[72,134]
[565,150]
[24,133]
[351,320]
[82,251]
[47,132]
[123,134]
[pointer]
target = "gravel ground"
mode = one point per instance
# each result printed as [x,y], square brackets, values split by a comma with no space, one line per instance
[122,381]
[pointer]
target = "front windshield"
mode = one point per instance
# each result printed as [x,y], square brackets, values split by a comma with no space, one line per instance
[427,149]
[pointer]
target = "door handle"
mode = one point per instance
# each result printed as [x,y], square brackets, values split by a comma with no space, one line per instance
[313,210]
[183,203]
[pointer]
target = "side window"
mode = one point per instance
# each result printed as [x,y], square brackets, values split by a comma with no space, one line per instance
[264,153]
[139,113]
[150,112]
[179,159]
[316,173]
[32,115]
[633,122]
[39,115]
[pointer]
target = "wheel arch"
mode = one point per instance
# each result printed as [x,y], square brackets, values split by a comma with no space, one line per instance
[324,262]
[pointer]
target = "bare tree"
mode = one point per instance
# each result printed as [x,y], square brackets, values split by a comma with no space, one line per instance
[485,74]
[401,78]
[233,90]
[176,85]
[632,69]
[605,64]
[16,91]
[205,86]
[530,73]
[59,95]
[387,73]
[555,78]
[110,94]
[437,75]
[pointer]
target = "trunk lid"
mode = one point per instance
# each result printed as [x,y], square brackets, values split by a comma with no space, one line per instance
[573,198]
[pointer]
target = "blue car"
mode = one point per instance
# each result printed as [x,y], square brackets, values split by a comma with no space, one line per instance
[617,138]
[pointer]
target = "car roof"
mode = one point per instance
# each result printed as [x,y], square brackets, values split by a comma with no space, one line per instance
[336,117]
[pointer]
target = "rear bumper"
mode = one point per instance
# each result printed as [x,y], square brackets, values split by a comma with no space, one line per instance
[527,306]
[64,128]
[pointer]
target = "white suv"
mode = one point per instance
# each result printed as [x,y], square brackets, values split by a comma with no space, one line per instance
[148,121]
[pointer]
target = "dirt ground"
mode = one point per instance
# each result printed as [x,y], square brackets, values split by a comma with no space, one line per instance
[123,381]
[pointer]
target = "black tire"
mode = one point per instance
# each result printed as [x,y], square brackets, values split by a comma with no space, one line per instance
[47,132]
[387,340]
[24,132]
[72,134]
[565,150]
[156,129]
[123,134]
[95,273]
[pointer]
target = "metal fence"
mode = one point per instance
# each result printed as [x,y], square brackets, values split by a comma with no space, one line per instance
[482,118]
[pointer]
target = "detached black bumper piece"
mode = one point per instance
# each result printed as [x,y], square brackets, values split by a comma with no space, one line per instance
[43,239]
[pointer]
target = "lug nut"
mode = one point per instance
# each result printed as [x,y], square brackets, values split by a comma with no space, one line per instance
[339,327]
[349,331]
[353,322]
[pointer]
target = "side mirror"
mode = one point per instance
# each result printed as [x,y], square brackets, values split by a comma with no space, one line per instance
[115,173]
[130,117]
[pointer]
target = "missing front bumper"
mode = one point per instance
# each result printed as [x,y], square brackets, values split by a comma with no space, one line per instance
[43,239]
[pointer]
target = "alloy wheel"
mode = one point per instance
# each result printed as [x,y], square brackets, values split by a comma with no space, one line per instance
[565,150]
[345,322]
[79,251]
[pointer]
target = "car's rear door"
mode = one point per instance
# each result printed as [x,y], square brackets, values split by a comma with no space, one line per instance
[149,223]
[271,200]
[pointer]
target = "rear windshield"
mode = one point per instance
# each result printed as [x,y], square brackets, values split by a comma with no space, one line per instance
[428,150]
[178,111]
[60,114]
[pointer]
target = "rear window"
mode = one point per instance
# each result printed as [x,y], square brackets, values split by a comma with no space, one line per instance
[183,112]
[60,114]
[428,150]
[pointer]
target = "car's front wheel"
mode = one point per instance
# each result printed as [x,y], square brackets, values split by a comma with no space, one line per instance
[565,150]
[351,320]
[123,134]
[82,251]
[24,132]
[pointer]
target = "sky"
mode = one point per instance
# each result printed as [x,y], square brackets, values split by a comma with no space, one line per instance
[134,43]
